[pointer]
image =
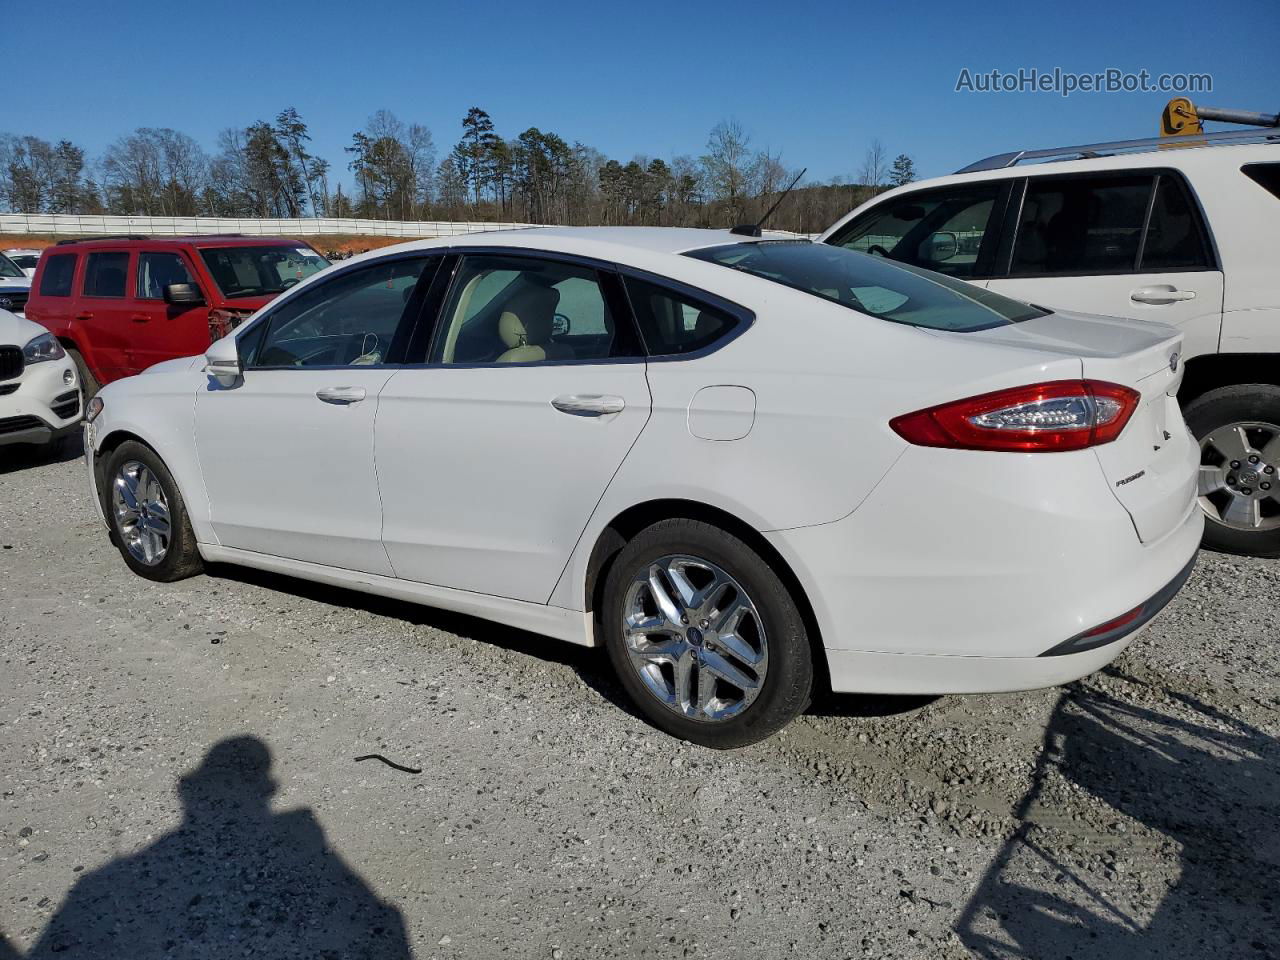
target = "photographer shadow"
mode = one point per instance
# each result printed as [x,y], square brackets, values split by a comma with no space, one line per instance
[233,879]
[1204,783]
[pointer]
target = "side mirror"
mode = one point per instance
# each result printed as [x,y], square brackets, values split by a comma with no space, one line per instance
[222,361]
[939,247]
[183,295]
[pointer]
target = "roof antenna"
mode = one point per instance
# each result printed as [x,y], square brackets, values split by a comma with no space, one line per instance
[753,229]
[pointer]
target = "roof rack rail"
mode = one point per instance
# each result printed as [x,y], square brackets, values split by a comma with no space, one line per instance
[119,236]
[1002,161]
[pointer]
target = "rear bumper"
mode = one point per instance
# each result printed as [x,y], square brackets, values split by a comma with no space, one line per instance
[865,672]
[960,571]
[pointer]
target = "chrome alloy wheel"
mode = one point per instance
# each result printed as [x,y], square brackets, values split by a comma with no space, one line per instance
[1239,486]
[142,513]
[695,638]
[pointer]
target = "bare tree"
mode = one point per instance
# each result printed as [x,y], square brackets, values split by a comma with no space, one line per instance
[726,165]
[875,165]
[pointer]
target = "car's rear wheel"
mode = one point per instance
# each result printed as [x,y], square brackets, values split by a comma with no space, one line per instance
[148,517]
[1238,428]
[705,637]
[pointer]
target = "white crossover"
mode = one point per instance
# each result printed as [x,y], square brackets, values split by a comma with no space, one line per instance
[746,466]
[39,388]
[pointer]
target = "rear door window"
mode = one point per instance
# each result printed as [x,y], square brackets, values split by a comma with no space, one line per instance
[105,274]
[947,230]
[59,269]
[1081,225]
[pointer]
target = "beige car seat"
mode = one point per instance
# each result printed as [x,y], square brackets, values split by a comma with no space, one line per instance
[525,326]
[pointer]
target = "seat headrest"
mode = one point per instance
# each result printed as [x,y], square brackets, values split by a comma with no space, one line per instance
[527,318]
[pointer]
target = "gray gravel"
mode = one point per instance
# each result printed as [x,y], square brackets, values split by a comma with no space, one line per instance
[177,765]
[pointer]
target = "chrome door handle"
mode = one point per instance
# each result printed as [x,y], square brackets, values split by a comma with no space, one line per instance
[1162,294]
[588,404]
[341,395]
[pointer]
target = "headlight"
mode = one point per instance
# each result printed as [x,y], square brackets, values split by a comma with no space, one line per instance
[92,409]
[43,347]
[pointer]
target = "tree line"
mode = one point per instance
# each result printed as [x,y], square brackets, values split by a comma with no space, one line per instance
[268,169]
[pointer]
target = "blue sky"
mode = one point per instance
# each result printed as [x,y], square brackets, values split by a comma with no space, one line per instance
[816,81]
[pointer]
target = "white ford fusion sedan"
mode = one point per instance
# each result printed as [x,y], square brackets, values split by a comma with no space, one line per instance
[746,466]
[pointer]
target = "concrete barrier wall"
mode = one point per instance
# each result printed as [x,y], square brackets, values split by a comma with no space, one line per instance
[74,225]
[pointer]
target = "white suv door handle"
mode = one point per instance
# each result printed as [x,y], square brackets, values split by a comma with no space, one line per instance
[341,395]
[1164,293]
[588,404]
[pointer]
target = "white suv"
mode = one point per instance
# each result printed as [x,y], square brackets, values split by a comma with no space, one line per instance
[1187,233]
[39,387]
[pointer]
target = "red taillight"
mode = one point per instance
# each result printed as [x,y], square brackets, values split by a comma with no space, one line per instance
[1060,415]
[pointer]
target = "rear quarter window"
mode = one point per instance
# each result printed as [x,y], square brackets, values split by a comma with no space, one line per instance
[59,269]
[673,324]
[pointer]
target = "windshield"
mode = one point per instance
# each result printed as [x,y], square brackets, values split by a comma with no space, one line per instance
[872,285]
[26,261]
[260,271]
[10,269]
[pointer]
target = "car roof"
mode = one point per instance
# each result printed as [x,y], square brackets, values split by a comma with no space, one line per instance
[198,240]
[600,242]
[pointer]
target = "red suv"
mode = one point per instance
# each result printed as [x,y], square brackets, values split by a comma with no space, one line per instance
[121,304]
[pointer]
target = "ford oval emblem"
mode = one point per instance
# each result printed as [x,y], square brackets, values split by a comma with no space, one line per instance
[1173,362]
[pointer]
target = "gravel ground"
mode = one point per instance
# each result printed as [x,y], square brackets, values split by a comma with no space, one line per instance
[179,778]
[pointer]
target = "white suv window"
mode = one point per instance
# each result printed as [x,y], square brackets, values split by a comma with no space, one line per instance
[941,230]
[1089,226]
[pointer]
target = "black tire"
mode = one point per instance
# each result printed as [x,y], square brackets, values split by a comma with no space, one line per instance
[1210,411]
[89,385]
[182,558]
[788,681]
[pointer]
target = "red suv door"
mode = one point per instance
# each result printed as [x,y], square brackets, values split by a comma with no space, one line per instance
[104,312]
[164,332]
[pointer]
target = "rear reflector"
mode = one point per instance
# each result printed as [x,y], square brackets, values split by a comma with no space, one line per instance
[1054,416]
[1120,627]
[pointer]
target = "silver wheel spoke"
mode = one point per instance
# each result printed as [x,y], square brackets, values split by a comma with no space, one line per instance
[666,605]
[706,689]
[684,670]
[740,649]
[1212,479]
[1243,511]
[128,488]
[725,670]
[684,589]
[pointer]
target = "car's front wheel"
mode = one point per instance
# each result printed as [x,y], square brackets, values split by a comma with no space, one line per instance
[705,637]
[1238,428]
[147,515]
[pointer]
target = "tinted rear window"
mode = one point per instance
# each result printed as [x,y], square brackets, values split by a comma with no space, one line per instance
[58,271]
[872,285]
[105,273]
